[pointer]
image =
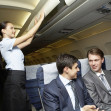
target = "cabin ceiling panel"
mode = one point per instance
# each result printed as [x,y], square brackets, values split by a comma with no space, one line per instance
[76,53]
[96,29]
[43,50]
[108,17]
[14,16]
[60,43]
[51,47]
[28,4]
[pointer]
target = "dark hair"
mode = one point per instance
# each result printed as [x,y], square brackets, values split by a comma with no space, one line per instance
[3,26]
[65,60]
[96,51]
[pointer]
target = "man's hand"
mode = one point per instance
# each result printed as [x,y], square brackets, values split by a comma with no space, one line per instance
[90,108]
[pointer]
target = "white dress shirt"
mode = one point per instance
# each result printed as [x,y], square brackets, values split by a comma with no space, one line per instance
[13,56]
[69,89]
[106,82]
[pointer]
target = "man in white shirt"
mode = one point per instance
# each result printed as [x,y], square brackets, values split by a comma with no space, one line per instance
[98,81]
[67,92]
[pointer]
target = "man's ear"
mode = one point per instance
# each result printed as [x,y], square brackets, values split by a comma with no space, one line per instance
[102,59]
[3,31]
[65,70]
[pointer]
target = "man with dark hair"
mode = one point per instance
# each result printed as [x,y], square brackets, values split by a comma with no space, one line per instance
[67,92]
[98,81]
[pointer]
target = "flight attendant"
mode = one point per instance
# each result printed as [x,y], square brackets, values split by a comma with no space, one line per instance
[14,92]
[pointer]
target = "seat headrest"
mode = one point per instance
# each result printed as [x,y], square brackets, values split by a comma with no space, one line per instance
[108,62]
[84,66]
[31,71]
[49,72]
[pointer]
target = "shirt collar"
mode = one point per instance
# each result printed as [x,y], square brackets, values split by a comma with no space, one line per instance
[6,38]
[98,74]
[64,80]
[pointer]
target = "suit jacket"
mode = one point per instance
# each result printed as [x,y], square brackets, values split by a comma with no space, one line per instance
[96,89]
[56,97]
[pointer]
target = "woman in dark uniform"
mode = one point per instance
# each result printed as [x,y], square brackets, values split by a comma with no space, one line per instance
[14,92]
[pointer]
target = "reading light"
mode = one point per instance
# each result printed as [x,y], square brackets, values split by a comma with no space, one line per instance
[69,2]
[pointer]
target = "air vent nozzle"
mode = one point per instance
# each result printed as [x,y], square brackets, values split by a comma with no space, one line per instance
[105,9]
[66,31]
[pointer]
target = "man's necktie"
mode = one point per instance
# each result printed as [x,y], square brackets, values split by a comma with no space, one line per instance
[75,94]
[104,81]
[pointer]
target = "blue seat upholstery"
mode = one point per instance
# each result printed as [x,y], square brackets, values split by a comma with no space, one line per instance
[79,65]
[32,91]
[104,64]
[32,86]
[40,80]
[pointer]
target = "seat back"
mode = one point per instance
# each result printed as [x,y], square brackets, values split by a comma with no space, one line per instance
[45,74]
[32,86]
[84,66]
[79,65]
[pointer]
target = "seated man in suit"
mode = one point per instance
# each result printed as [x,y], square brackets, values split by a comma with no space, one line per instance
[98,81]
[67,92]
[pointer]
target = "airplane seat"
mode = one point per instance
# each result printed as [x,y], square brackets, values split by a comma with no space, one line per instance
[84,66]
[32,86]
[108,62]
[45,74]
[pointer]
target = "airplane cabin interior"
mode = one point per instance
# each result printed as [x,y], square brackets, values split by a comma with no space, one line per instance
[69,26]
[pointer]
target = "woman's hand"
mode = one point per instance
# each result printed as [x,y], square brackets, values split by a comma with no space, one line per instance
[42,15]
[26,39]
